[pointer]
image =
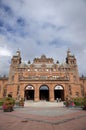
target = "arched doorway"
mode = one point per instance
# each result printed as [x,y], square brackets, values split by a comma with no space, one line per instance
[59,93]
[29,93]
[44,93]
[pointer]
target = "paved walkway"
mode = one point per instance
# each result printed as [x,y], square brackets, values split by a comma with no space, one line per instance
[43,117]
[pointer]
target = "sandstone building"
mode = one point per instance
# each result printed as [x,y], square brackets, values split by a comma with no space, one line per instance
[43,79]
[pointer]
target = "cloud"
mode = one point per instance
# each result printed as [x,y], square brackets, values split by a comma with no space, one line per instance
[43,27]
[4,52]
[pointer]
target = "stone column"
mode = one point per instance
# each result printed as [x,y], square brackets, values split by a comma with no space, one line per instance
[36,94]
[66,91]
[51,94]
[21,92]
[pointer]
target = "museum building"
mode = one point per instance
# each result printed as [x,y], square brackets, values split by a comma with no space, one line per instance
[43,79]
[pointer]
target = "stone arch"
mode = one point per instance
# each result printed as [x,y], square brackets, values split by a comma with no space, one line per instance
[59,92]
[29,92]
[44,92]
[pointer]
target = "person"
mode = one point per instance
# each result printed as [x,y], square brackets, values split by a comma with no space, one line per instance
[57,99]
[60,100]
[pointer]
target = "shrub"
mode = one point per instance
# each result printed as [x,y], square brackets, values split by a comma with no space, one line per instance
[8,104]
[1,101]
[84,101]
[78,101]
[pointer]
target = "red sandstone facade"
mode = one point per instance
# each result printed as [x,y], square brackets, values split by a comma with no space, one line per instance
[43,79]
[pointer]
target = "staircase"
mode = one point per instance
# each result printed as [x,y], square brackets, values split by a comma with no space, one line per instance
[43,104]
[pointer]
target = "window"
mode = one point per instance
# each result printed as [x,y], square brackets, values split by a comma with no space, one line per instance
[0,88]
[82,90]
[18,89]
[4,92]
[77,94]
[12,77]
[74,78]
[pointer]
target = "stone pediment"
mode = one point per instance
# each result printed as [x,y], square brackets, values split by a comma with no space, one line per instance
[43,59]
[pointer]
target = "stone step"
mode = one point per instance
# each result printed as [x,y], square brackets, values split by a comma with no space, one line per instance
[43,104]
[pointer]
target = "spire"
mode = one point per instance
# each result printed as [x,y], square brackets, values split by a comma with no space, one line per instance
[18,52]
[68,52]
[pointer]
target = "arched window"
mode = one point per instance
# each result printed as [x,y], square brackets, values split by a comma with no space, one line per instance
[58,87]
[18,89]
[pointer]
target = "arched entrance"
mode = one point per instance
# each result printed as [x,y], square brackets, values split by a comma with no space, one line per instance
[44,93]
[59,93]
[29,93]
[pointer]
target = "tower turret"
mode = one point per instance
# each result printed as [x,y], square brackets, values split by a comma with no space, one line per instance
[15,62]
[71,61]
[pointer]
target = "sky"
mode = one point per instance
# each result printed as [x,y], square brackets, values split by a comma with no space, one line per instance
[38,27]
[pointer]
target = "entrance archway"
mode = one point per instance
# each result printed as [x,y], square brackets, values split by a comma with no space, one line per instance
[59,93]
[44,93]
[29,93]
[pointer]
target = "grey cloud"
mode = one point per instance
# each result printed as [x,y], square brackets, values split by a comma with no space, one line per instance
[45,27]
